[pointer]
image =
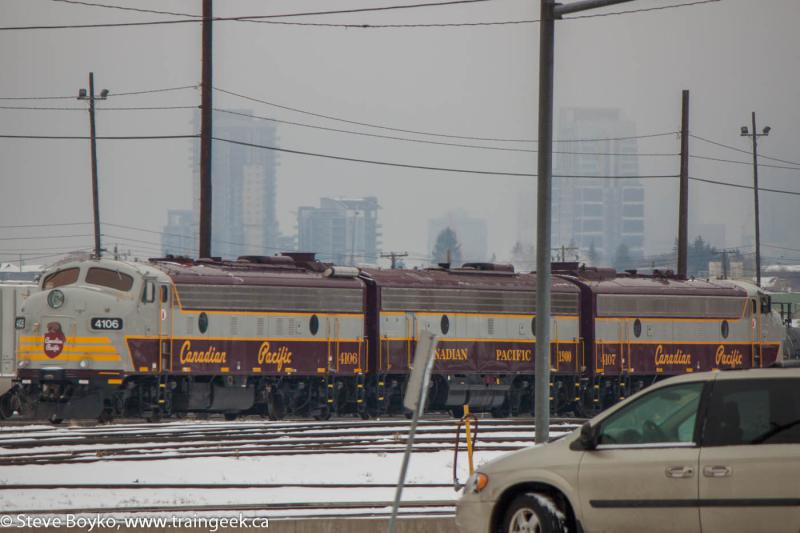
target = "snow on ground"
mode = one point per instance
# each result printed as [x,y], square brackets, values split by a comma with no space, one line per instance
[355,468]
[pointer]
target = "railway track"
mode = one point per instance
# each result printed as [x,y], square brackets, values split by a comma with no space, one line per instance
[42,446]
[369,509]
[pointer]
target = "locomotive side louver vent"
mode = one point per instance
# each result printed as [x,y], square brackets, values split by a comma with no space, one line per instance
[260,328]
[490,325]
[269,298]
[293,326]
[280,327]
[235,326]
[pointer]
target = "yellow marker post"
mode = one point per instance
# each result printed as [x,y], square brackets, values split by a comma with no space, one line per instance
[468,432]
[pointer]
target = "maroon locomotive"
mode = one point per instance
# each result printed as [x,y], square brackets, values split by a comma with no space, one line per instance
[288,335]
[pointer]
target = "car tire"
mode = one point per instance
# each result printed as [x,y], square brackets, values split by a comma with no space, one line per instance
[533,513]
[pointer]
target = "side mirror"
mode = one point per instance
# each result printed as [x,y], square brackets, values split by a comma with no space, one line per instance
[587,440]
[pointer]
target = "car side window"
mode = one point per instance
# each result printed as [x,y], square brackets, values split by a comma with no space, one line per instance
[663,416]
[754,411]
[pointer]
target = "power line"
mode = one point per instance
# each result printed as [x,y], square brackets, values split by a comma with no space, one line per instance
[640,10]
[74,97]
[217,241]
[104,137]
[46,225]
[247,18]
[260,18]
[144,108]
[424,167]
[418,132]
[256,18]
[426,141]
[46,237]
[749,187]
[748,163]
[124,8]
[729,147]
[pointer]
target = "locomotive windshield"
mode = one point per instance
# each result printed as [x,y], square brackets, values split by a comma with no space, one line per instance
[61,278]
[109,278]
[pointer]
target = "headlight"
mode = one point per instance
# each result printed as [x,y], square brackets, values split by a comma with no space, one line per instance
[84,363]
[22,364]
[476,482]
[55,299]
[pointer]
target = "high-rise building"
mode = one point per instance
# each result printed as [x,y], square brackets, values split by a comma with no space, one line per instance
[472,234]
[243,188]
[343,231]
[180,236]
[597,213]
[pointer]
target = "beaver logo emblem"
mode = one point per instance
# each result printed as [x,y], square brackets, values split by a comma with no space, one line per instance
[54,340]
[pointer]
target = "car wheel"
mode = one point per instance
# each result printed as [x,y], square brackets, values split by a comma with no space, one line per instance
[533,513]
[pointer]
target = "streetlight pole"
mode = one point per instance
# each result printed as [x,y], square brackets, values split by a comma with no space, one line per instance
[755,135]
[550,12]
[93,135]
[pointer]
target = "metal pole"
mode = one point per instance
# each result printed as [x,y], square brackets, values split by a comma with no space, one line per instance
[95,198]
[683,202]
[545,171]
[205,133]
[755,194]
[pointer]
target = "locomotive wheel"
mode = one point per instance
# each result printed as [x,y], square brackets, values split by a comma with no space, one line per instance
[54,419]
[457,412]
[231,416]
[105,417]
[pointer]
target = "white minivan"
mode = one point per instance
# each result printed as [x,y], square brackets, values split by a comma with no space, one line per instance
[708,452]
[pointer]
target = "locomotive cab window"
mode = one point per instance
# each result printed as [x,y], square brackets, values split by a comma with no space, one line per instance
[109,278]
[61,278]
[149,292]
[766,304]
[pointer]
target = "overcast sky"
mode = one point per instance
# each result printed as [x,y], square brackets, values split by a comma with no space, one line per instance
[735,56]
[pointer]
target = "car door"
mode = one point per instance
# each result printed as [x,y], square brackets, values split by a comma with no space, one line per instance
[750,458]
[642,476]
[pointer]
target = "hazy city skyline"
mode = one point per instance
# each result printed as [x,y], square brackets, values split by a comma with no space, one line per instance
[735,56]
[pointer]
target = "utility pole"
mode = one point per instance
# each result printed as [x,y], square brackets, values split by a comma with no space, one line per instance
[394,256]
[683,202]
[205,133]
[93,143]
[755,135]
[561,253]
[550,11]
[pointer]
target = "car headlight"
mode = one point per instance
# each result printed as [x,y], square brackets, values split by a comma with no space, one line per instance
[476,482]
[55,299]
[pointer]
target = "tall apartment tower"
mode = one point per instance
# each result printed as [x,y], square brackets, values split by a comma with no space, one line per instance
[180,236]
[344,231]
[598,213]
[243,188]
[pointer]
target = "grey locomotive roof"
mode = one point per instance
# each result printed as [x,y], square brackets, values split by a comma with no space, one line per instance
[462,279]
[244,273]
[662,286]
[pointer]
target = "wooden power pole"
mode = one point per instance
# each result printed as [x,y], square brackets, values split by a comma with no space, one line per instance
[205,133]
